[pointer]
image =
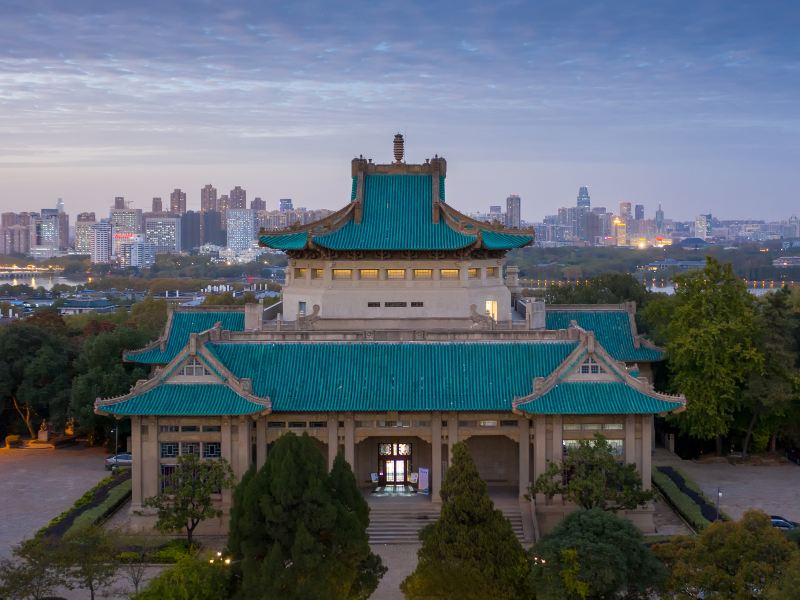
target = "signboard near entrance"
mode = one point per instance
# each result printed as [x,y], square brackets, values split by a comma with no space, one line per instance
[424,481]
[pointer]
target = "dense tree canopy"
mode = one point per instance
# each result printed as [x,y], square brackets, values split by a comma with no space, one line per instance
[471,551]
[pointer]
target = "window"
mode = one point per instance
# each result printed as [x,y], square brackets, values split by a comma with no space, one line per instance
[169,449]
[317,273]
[591,426]
[343,273]
[212,428]
[368,273]
[395,304]
[190,428]
[395,273]
[474,273]
[300,273]
[194,368]
[276,424]
[617,446]
[422,424]
[190,448]
[509,423]
[168,428]
[417,304]
[394,449]
[365,423]
[297,424]
[571,427]
[591,367]
[487,423]
[492,271]
[491,309]
[301,308]
[212,449]
[423,273]
[449,274]
[167,475]
[318,424]
[373,304]
[616,426]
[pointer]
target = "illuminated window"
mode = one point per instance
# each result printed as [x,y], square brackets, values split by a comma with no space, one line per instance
[617,426]
[571,427]
[342,273]
[491,309]
[404,449]
[194,368]
[487,423]
[617,446]
[474,273]
[591,367]
[492,271]
[449,274]
[423,273]
[300,273]
[368,273]
[395,273]
[317,273]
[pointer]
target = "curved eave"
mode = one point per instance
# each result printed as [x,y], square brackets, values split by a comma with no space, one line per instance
[286,241]
[182,400]
[598,398]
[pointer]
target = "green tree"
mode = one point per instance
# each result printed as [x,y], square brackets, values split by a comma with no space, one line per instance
[591,477]
[298,532]
[471,551]
[732,559]
[606,288]
[149,316]
[771,391]
[594,554]
[711,348]
[33,572]
[187,498]
[88,559]
[35,372]
[189,579]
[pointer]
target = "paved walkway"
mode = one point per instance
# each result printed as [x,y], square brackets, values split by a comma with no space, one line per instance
[772,487]
[37,485]
[401,561]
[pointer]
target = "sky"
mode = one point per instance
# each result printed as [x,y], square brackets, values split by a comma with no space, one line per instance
[694,105]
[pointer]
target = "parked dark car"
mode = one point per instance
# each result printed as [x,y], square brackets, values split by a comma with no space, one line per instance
[793,454]
[119,460]
[783,524]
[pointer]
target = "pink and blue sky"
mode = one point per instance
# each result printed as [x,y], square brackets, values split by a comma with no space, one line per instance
[691,104]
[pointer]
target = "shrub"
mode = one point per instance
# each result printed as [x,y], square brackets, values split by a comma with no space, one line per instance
[685,506]
[13,440]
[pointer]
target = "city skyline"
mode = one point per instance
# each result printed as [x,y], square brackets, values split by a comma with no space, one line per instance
[690,105]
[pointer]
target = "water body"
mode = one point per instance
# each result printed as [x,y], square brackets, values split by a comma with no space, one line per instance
[670,289]
[45,281]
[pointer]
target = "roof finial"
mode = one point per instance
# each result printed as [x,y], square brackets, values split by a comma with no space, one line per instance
[399,149]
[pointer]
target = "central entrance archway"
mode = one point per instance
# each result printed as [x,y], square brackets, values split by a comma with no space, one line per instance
[395,463]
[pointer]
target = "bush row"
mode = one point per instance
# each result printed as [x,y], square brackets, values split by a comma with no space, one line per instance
[682,502]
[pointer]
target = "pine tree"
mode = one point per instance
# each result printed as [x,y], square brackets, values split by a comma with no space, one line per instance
[471,551]
[300,533]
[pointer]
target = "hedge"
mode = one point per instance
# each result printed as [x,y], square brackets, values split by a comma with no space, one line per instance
[116,497]
[683,500]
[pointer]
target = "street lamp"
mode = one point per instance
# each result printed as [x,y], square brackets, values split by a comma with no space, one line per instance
[719,497]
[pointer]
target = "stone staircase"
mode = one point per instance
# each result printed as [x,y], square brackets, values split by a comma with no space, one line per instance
[399,520]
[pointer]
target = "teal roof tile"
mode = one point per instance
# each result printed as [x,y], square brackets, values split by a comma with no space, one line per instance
[396,215]
[324,376]
[183,324]
[285,241]
[497,240]
[612,329]
[596,398]
[196,399]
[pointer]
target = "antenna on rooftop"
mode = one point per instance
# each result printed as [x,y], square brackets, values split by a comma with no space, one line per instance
[399,148]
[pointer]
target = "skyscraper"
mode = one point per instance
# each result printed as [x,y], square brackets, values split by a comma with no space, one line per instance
[238,198]
[208,198]
[222,207]
[625,211]
[158,206]
[191,230]
[285,205]
[177,202]
[125,222]
[584,200]
[164,233]
[241,228]
[659,220]
[638,212]
[258,204]
[119,202]
[136,251]
[583,208]
[702,226]
[100,242]
[83,232]
[211,228]
[63,228]
[513,211]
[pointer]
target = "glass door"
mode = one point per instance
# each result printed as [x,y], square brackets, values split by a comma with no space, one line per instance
[390,471]
[399,471]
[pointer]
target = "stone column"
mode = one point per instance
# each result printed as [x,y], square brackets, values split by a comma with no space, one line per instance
[136,468]
[333,438]
[244,449]
[261,441]
[647,452]
[452,435]
[350,441]
[436,456]
[150,456]
[539,451]
[630,439]
[524,456]
[558,449]
[227,453]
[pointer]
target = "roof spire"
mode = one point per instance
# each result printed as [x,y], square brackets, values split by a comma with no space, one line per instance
[399,148]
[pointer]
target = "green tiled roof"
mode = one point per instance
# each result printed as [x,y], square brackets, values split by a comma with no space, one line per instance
[497,240]
[195,399]
[611,328]
[182,326]
[596,398]
[416,376]
[396,215]
[285,241]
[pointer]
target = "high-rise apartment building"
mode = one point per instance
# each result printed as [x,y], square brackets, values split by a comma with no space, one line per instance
[513,211]
[285,205]
[125,222]
[222,207]
[15,239]
[45,232]
[158,206]
[258,204]
[620,231]
[177,202]
[83,232]
[136,251]
[100,242]
[241,228]
[7,219]
[583,205]
[211,229]
[119,202]
[208,198]
[625,211]
[702,227]
[191,230]
[238,198]
[164,233]
[638,212]
[63,230]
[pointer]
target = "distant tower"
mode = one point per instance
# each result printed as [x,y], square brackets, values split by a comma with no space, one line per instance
[119,202]
[638,212]
[286,205]
[659,220]
[584,201]
[157,205]
[60,205]
[238,198]
[399,148]
[258,204]
[625,211]
[208,198]
[582,209]
[513,211]
[177,202]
